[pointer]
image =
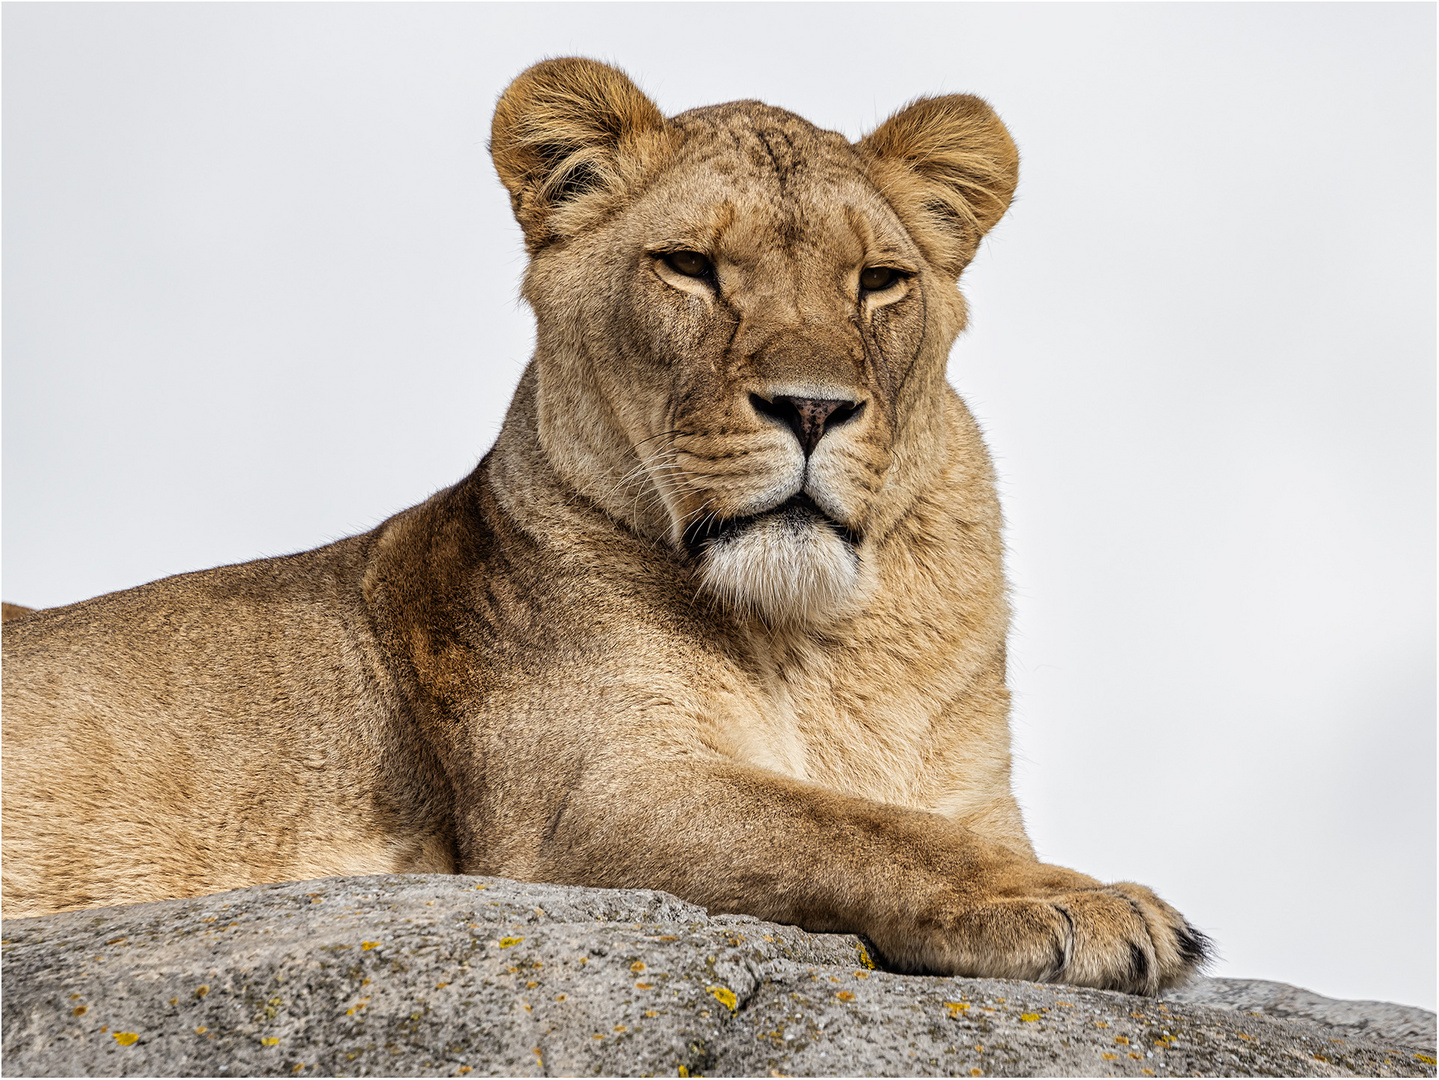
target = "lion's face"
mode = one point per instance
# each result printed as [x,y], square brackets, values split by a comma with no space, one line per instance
[763,412]
[742,344]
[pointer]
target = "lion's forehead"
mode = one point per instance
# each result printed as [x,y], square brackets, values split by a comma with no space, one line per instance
[744,120]
[760,143]
[748,179]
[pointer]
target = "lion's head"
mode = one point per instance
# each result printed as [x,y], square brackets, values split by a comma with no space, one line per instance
[743,320]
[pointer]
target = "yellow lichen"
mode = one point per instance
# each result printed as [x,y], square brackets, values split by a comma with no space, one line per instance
[507,942]
[1029,1017]
[269,1042]
[724,997]
[954,1008]
[124,1038]
[368,945]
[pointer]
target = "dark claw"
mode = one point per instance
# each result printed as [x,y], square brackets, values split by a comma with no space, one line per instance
[1060,959]
[1138,966]
[1196,948]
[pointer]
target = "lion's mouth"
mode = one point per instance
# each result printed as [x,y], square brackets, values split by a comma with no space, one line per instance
[798,512]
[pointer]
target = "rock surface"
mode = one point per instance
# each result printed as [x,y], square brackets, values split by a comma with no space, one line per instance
[1405,1024]
[440,975]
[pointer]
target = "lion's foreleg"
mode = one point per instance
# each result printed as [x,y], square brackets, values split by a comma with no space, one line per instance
[932,895]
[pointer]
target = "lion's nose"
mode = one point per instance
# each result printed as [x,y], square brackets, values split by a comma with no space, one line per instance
[808,418]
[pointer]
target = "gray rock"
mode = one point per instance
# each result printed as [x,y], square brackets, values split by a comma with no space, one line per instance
[440,975]
[1381,1020]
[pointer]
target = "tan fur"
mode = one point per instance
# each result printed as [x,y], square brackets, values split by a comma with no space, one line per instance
[606,657]
[13,611]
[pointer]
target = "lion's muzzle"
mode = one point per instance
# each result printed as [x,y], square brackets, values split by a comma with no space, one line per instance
[797,515]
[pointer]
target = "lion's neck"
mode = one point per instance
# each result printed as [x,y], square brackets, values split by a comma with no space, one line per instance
[558,458]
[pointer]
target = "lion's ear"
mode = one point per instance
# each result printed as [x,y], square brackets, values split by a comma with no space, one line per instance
[948,167]
[565,130]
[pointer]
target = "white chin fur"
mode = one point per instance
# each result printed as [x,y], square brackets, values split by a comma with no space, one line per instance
[782,571]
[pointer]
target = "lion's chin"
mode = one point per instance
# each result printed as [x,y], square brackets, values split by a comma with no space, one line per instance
[788,566]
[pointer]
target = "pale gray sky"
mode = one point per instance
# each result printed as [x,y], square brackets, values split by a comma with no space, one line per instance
[259,291]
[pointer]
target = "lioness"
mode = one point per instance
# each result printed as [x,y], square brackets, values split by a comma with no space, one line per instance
[722,613]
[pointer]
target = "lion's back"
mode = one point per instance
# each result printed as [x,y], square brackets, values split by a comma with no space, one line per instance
[192,718]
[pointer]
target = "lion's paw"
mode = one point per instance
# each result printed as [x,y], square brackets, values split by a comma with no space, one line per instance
[1112,937]
[1123,937]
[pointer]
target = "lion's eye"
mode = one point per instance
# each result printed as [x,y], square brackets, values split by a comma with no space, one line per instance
[875,278]
[688,263]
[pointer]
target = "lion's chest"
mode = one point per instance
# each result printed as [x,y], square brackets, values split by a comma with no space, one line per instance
[872,725]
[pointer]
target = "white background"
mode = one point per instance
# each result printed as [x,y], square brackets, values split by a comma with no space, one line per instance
[259,292]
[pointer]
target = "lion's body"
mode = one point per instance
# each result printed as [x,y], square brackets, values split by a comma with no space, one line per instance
[243,776]
[656,638]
